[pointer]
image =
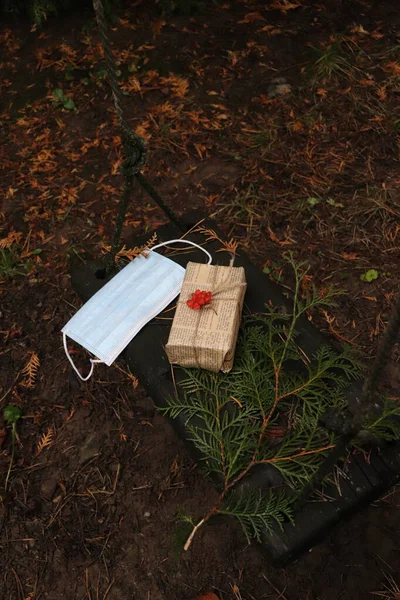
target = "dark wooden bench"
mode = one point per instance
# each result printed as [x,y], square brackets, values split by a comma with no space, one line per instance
[358,483]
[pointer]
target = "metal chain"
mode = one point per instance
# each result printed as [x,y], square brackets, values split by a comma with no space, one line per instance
[134,145]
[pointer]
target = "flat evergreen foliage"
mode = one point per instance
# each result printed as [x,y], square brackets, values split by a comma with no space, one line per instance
[267,411]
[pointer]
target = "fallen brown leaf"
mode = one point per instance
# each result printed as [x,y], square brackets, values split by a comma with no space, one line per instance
[275,239]
[157,26]
[297,126]
[271,30]
[45,440]
[251,17]
[283,5]
[359,29]
[349,255]
[392,67]
[30,370]
[367,81]
[382,92]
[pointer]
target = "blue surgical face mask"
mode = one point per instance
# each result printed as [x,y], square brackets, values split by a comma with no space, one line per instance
[117,312]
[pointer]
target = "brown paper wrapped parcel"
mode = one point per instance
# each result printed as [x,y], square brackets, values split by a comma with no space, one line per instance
[206,338]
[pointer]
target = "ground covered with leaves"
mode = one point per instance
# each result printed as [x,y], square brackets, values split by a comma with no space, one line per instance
[279,118]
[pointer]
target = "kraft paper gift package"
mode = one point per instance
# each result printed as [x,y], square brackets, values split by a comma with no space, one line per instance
[206,337]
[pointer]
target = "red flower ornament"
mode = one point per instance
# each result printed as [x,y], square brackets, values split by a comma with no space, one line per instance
[199,298]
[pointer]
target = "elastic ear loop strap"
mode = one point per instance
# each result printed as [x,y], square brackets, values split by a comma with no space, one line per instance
[187,242]
[94,360]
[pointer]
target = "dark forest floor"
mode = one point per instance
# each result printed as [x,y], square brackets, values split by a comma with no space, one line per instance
[90,508]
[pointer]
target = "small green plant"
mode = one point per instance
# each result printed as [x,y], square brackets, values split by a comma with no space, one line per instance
[101,74]
[275,271]
[184,526]
[263,140]
[10,264]
[333,203]
[40,10]
[69,73]
[331,61]
[313,201]
[370,275]
[98,77]
[61,100]
[11,416]
[245,208]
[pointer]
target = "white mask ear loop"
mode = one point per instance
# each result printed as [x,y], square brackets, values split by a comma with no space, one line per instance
[92,360]
[187,242]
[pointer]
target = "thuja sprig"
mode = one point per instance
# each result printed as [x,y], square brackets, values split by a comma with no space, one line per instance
[264,413]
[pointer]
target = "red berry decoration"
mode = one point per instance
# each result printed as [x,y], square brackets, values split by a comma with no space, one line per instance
[199,298]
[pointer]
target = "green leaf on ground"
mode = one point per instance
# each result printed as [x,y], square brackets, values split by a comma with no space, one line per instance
[333,202]
[370,276]
[11,413]
[58,94]
[69,104]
